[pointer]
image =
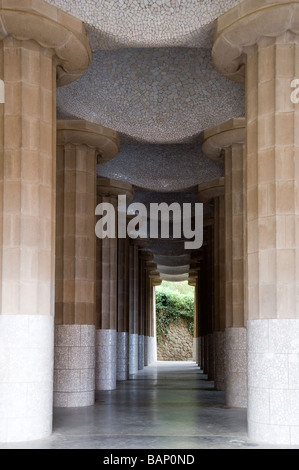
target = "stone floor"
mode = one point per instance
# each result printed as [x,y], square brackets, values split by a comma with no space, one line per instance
[169,405]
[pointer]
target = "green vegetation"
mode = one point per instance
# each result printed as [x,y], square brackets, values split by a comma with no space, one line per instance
[174,300]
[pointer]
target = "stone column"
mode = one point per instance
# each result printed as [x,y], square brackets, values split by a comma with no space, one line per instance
[206,296]
[153,356]
[106,289]
[36,38]
[122,366]
[214,191]
[226,143]
[142,340]
[154,280]
[264,35]
[133,309]
[79,143]
[193,281]
[150,273]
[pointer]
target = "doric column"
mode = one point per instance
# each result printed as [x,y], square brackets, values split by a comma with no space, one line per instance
[123,304]
[154,280]
[226,143]
[261,38]
[214,191]
[36,38]
[106,287]
[193,281]
[153,353]
[79,143]
[150,273]
[134,308]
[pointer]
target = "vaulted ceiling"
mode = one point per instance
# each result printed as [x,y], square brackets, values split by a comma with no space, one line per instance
[152,80]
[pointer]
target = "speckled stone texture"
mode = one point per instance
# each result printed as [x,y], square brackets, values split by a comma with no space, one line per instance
[211,353]
[178,95]
[74,366]
[197,351]
[144,23]
[105,360]
[146,361]
[273,381]
[140,352]
[122,364]
[206,353]
[219,342]
[152,350]
[236,367]
[133,354]
[26,377]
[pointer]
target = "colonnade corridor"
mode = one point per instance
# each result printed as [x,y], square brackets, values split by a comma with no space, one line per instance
[168,405]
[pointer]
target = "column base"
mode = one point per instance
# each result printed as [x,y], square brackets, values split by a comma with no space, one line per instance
[26,387]
[206,354]
[236,367]
[105,360]
[273,381]
[74,366]
[146,349]
[219,342]
[152,350]
[211,352]
[122,365]
[133,354]
[140,352]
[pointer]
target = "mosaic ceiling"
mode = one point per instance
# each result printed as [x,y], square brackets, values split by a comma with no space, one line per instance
[153,81]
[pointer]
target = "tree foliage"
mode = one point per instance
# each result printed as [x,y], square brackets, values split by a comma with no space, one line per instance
[171,306]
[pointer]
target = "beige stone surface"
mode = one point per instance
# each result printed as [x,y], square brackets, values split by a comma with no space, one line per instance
[27,181]
[264,34]
[75,227]
[105,141]
[180,345]
[226,142]
[106,272]
[50,28]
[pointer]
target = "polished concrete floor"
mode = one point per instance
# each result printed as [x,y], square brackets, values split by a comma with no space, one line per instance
[169,405]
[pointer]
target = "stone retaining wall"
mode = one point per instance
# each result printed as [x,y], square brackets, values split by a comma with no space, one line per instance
[180,345]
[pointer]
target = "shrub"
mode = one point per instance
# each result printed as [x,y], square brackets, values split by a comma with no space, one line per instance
[170,307]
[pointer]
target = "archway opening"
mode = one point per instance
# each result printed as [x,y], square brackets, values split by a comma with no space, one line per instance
[175,321]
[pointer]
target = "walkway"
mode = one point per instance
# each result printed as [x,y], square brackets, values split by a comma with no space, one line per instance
[169,405]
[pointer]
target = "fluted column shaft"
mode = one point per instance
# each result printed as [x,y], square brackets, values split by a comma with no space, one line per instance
[236,344]
[134,310]
[226,142]
[75,273]
[219,292]
[106,286]
[261,38]
[122,372]
[29,55]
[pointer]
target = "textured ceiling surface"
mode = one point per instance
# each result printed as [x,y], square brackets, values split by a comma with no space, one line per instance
[162,167]
[153,81]
[147,23]
[154,95]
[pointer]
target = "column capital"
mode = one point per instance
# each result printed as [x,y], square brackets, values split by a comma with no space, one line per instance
[52,29]
[210,190]
[104,140]
[107,187]
[145,255]
[245,25]
[140,242]
[219,138]
[156,281]
[151,266]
